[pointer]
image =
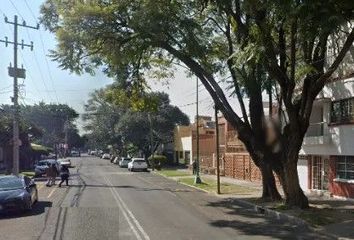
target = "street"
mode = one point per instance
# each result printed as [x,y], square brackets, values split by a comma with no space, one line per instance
[108,202]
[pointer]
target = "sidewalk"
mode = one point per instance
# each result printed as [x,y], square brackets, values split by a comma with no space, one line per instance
[330,216]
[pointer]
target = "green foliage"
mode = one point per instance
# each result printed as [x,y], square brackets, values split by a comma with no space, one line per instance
[157,161]
[113,118]
[52,119]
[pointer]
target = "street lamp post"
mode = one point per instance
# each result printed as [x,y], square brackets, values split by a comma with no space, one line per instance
[197,179]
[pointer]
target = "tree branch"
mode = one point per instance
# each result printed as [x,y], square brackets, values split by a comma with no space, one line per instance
[317,87]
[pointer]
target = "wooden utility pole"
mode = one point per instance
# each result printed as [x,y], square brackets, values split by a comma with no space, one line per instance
[16,73]
[217,150]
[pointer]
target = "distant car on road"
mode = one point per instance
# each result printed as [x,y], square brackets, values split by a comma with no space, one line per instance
[42,165]
[75,154]
[64,161]
[137,164]
[106,156]
[123,163]
[17,193]
[93,153]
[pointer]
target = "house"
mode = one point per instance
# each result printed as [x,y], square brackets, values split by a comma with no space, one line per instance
[185,141]
[327,155]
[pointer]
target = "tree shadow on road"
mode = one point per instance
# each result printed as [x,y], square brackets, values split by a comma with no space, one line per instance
[249,222]
[37,209]
[130,187]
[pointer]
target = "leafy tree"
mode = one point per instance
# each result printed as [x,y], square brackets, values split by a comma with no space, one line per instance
[51,119]
[278,46]
[148,130]
[100,118]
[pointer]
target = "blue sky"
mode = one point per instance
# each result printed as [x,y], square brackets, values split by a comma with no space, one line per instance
[46,82]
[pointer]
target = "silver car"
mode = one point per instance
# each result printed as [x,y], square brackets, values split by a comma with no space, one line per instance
[123,163]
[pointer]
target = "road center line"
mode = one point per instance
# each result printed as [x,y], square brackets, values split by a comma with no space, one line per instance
[124,208]
[51,192]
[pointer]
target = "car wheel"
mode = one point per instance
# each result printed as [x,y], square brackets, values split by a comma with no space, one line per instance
[28,206]
[36,200]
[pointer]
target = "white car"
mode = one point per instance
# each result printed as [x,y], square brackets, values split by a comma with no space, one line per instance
[64,161]
[137,164]
[106,156]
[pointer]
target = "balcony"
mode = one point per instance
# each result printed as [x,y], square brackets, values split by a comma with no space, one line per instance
[317,134]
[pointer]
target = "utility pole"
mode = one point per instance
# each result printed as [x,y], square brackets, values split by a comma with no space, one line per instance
[217,150]
[66,145]
[197,179]
[151,143]
[16,73]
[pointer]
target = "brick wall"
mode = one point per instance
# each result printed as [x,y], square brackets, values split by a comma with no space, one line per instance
[241,166]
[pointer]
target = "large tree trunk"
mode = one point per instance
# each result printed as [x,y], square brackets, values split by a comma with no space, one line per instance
[270,191]
[294,196]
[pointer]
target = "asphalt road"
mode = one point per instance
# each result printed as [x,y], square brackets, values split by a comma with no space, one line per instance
[104,201]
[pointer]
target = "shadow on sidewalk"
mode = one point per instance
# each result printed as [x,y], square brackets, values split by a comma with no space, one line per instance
[249,222]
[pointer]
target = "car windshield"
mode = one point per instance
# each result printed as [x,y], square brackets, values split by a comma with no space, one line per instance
[42,163]
[139,161]
[10,183]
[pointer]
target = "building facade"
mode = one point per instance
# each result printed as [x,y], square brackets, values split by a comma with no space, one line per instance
[327,154]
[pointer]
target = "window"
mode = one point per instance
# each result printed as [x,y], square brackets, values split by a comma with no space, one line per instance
[180,154]
[187,155]
[345,167]
[342,111]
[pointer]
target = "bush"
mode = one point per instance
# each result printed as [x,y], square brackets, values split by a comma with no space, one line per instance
[157,160]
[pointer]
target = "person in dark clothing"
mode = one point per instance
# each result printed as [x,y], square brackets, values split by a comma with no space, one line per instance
[194,167]
[64,174]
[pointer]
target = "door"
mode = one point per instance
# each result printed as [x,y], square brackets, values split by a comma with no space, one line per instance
[303,171]
[320,169]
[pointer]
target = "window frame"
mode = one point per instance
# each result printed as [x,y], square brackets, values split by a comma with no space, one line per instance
[345,161]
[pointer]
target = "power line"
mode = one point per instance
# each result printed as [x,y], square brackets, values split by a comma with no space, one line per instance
[35,56]
[40,71]
[9,86]
[16,9]
[29,74]
[43,49]
[193,103]
[33,15]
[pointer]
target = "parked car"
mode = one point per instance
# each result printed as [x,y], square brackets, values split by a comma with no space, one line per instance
[93,153]
[123,163]
[75,154]
[64,161]
[42,165]
[17,193]
[116,160]
[106,156]
[137,164]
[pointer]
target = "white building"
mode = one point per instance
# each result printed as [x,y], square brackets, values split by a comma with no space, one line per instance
[328,148]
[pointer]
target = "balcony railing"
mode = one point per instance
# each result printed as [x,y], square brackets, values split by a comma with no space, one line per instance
[317,134]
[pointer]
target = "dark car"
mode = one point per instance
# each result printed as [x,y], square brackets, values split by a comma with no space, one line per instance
[42,165]
[17,193]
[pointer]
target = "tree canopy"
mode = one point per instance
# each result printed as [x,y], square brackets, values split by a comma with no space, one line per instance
[278,46]
[119,125]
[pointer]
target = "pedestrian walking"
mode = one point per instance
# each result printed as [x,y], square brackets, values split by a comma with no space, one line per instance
[194,167]
[51,173]
[64,175]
